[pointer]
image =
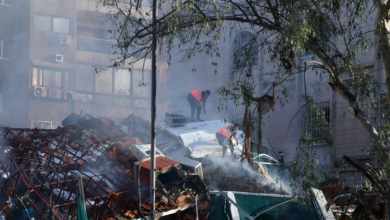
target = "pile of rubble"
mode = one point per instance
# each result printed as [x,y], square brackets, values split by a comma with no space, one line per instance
[231,175]
[39,171]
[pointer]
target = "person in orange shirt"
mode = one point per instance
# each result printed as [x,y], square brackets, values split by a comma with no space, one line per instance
[225,136]
[194,98]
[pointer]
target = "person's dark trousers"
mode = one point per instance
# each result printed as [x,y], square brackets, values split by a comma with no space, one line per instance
[225,143]
[194,104]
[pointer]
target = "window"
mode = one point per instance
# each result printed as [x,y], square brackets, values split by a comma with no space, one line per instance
[383,105]
[6,2]
[119,87]
[45,124]
[51,78]
[315,125]
[52,24]
[323,42]
[104,81]
[122,82]
[244,51]
[7,50]
[84,78]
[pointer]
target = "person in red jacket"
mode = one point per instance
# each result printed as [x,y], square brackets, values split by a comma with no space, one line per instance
[194,98]
[225,136]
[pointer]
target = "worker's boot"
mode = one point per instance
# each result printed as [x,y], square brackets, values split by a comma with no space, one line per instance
[198,119]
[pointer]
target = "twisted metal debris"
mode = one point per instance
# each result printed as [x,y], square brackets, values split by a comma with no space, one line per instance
[39,172]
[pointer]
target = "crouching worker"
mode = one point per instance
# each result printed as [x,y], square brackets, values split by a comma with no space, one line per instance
[225,137]
[194,98]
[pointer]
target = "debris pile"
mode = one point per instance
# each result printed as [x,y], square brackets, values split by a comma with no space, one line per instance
[39,172]
[231,175]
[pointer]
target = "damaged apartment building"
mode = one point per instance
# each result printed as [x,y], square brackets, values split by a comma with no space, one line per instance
[48,51]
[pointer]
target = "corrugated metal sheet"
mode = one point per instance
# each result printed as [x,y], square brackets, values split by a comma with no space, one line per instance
[161,163]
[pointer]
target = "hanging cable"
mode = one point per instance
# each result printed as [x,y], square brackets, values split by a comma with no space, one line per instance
[272,208]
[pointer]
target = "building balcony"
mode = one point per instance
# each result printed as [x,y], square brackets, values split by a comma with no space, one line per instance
[94,45]
[92,5]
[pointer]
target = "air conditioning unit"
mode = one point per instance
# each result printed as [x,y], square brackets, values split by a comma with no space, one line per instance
[67,93]
[193,165]
[59,58]
[40,91]
[65,39]
[55,94]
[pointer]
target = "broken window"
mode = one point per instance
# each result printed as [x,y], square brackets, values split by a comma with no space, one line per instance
[50,78]
[141,85]
[244,51]
[104,81]
[120,86]
[315,125]
[122,82]
[52,24]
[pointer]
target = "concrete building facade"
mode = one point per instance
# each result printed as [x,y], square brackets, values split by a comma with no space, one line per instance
[48,49]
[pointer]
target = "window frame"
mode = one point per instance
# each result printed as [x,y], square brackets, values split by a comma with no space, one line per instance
[233,66]
[40,77]
[52,124]
[52,23]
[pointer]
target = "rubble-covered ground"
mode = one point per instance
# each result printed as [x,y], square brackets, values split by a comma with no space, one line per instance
[231,175]
[39,172]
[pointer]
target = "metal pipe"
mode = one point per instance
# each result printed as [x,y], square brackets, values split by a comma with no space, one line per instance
[153,114]
[276,152]
[340,196]
[139,187]
[239,208]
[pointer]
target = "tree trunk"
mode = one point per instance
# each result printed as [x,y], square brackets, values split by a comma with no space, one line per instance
[247,127]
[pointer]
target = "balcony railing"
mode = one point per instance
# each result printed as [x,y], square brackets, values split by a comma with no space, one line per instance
[95,45]
[112,100]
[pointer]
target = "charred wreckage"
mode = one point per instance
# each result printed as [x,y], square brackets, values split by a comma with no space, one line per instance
[39,172]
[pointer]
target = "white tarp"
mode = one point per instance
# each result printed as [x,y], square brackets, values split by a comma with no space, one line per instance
[200,137]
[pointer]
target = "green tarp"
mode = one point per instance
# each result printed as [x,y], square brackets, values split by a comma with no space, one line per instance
[254,205]
[80,208]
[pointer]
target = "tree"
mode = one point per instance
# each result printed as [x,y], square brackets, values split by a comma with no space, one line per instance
[290,28]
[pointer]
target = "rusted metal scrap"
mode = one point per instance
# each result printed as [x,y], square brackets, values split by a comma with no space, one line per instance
[39,170]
